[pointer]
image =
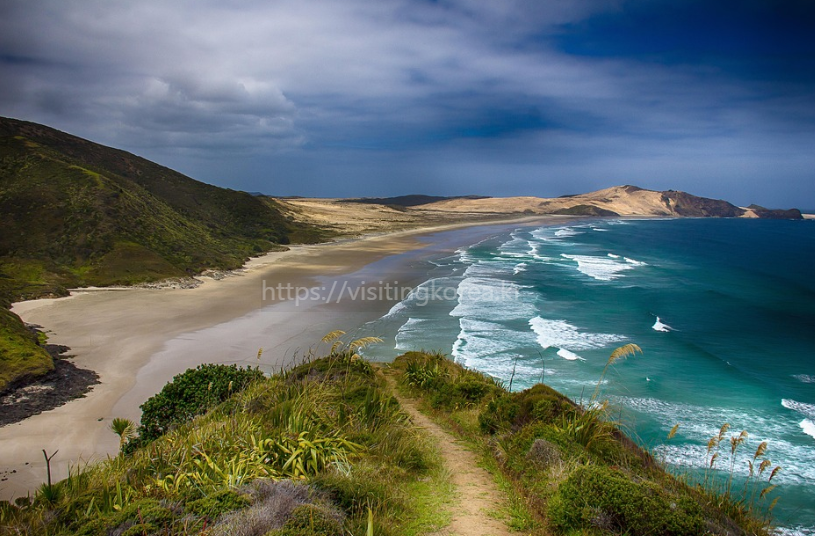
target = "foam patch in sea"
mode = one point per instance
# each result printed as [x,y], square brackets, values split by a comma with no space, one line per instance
[804,378]
[566,232]
[807,410]
[564,336]
[483,294]
[602,268]
[490,347]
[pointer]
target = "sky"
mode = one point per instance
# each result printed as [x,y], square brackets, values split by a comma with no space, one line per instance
[390,97]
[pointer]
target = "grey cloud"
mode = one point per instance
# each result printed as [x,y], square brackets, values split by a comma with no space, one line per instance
[309,97]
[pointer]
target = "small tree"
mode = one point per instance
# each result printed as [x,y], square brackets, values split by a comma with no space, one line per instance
[192,393]
[125,429]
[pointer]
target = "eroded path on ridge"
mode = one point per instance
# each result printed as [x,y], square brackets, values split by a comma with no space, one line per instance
[477,495]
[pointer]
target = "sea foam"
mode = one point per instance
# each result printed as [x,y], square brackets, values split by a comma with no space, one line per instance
[491,347]
[807,410]
[409,329]
[566,232]
[599,268]
[808,427]
[481,297]
[635,262]
[659,326]
[515,247]
[564,336]
[571,356]
[794,531]
[804,378]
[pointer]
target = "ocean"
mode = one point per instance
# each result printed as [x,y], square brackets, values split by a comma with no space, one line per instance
[724,311]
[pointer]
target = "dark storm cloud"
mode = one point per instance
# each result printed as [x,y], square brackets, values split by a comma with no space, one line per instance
[377,98]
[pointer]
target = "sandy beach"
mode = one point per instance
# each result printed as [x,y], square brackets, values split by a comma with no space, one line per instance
[137,339]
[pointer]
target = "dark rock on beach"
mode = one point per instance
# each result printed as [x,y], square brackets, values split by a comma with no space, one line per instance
[66,382]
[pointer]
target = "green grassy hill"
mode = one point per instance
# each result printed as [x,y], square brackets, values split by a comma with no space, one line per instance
[329,449]
[75,213]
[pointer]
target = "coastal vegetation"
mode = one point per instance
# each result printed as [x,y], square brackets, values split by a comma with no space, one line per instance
[327,448]
[74,213]
[21,355]
[571,469]
[322,449]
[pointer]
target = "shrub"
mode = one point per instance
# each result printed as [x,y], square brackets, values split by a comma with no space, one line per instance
[218,503]
[498,414]
[512,411]
[144,516]
[92,527]
[191,393]
[145,511]
[600,498]
[450,385]
[462,394]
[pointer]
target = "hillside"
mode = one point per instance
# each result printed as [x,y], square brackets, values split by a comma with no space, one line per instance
[614,201]
[337,446]
[75,213]
[81,213]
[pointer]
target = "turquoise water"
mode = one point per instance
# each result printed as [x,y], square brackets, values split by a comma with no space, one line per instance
[724,311]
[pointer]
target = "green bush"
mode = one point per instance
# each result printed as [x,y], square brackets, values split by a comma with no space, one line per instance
[144,516]
[512,411]
[498,414]
[602,499]
[462,394]
[376,409]
[450,386]
[333,367]
[145,511]
[192,393]
[217,503]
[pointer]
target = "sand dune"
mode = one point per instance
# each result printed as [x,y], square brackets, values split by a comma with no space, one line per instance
[622,200]
[348,217]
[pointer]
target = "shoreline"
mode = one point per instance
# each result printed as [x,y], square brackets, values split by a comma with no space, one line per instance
[121,333]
